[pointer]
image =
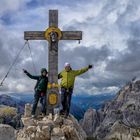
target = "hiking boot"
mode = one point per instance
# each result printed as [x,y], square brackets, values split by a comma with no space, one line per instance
[62,112]
[43,114]
[66,115]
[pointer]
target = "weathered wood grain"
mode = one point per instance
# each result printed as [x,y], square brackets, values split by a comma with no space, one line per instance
[53,18]
[71,35]
[40,35]
[53,50]
[34,35]
[53,59]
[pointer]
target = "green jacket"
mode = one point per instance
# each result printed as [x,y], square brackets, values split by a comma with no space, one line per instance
[68,78]
[42,82]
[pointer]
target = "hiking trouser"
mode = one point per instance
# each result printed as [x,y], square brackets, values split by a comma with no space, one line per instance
[42,98]
[66,99]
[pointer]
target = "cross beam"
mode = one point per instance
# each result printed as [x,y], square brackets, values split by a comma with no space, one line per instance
[53,46]
[40,35]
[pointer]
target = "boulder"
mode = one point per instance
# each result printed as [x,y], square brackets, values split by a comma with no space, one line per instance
[7,132]
[29,121]
[90,121]
[27,112]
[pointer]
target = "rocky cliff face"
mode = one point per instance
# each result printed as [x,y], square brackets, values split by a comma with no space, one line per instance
[90,121]
[119,119]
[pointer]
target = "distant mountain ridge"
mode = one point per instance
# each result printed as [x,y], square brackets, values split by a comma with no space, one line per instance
[79,103]
[12,102]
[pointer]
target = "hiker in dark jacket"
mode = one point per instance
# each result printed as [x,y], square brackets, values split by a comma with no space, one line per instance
[40,90]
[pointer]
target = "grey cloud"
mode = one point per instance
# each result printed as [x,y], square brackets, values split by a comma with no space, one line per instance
[126,65]
[4,56]
[82,55]
[57,2]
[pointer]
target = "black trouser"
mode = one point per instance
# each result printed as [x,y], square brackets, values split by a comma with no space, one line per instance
[38,96]
[66,95]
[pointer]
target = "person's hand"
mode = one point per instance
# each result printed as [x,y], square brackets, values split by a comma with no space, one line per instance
[90,66]
[25,71]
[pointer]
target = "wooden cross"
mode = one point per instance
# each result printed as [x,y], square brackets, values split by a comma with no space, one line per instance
[53,34]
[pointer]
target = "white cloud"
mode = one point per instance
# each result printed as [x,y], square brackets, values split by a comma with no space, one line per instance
[11,5]
[103,22]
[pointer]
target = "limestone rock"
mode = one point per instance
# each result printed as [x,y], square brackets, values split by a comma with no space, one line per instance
[118,119]
[57,134]
[122,132]
[51,128]
[7,132]
[78,128]
[31,129]
[27,112]
[90,121]
[28,121]
[71,133]
[58,138]
[58,120]
[47,131]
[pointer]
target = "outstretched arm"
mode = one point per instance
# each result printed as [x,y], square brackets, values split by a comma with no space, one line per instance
[59,76]
[31,76]
[83,70]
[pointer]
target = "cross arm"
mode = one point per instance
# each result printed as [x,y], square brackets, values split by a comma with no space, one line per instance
[40,35]
[34,35]
[71,35]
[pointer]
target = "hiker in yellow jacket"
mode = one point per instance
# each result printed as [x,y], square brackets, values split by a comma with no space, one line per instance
[67,77]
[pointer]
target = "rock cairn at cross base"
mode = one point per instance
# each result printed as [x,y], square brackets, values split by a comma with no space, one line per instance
[50,128]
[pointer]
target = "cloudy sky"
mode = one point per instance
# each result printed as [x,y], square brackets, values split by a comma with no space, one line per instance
[111,31]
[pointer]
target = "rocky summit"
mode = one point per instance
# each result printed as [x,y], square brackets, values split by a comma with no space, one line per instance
[118,119]
[51,128]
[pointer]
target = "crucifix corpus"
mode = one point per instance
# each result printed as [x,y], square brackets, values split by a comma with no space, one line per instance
[53,34]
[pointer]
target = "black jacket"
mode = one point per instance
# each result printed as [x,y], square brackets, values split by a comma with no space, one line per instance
[42,82]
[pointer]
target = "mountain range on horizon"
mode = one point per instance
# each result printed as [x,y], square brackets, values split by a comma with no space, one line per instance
[79,103]
[104,117]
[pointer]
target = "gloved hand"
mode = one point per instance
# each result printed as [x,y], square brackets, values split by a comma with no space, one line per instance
[25,71]
[90,66]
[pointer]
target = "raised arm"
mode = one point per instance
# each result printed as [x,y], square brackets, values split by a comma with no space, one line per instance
[83,70]
[59,76]
[31,76]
